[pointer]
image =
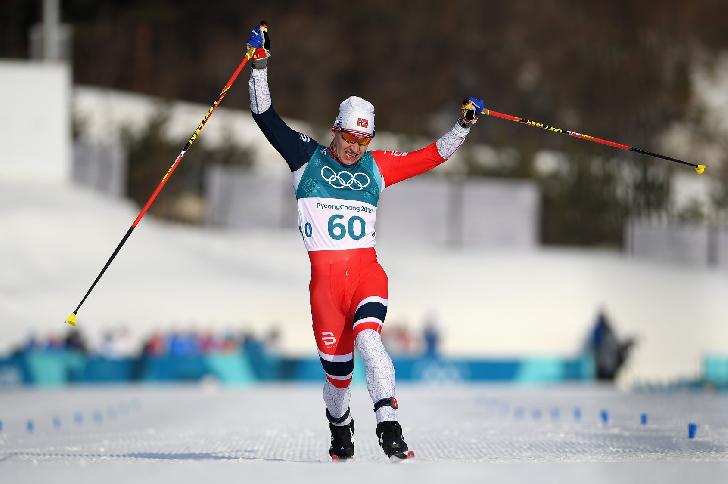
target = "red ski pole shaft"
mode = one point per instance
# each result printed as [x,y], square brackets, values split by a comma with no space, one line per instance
[72,317]
[699,168]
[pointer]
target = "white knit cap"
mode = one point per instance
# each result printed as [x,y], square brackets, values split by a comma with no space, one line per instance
[356,115]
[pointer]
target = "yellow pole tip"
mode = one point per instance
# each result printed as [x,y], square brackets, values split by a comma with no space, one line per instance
[71,319]
[700,169]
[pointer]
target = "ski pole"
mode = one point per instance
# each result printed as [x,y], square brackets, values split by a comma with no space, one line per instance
[72,317]
[699,168]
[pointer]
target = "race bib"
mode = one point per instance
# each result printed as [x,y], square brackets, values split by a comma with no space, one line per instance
[336,224]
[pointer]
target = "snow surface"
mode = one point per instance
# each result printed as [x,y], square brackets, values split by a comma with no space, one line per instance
[54,239]
[460,434]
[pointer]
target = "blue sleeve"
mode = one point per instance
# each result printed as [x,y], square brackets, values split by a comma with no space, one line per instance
[296,148]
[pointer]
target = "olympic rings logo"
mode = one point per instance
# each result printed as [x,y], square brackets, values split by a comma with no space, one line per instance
[345,179]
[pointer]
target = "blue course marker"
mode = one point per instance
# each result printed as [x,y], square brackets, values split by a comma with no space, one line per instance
[577,413]
[78,418]
[57,422]
[30,425]
[692,430]
[555,413]
[1,425]
[643,419]
[605,416]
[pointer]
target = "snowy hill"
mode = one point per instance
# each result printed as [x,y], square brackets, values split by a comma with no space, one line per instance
[56,238]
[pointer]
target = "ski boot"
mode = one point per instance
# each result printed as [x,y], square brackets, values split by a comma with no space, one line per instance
[392,442]
[342,437]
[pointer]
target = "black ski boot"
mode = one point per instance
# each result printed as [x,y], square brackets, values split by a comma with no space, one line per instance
[392,442]
[342,437]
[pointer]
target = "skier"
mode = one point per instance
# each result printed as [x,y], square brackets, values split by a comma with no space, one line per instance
[337,190]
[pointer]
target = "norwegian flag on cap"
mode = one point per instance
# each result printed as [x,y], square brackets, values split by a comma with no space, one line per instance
[356,115]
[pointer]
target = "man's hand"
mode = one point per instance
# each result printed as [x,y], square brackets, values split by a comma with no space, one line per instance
[471,108]
[259,44]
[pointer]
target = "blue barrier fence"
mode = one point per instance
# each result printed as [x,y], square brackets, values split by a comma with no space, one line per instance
[56,368]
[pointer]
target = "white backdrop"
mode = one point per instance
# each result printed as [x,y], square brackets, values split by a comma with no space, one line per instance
[36,135]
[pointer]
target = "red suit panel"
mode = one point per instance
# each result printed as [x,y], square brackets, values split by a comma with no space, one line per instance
[396,166]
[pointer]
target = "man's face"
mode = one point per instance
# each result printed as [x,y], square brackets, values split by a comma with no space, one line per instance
[348,151]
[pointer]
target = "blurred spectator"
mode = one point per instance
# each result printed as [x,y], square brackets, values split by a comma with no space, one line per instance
[155,345]
[55,342]
[609,352]
[249,343]
[272,341]
[230,343]
[31,344]
[398,339]
[213,342]
[431,336]
[190,343]
[117,344]
[184,344]
[75,341]
[208,342]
